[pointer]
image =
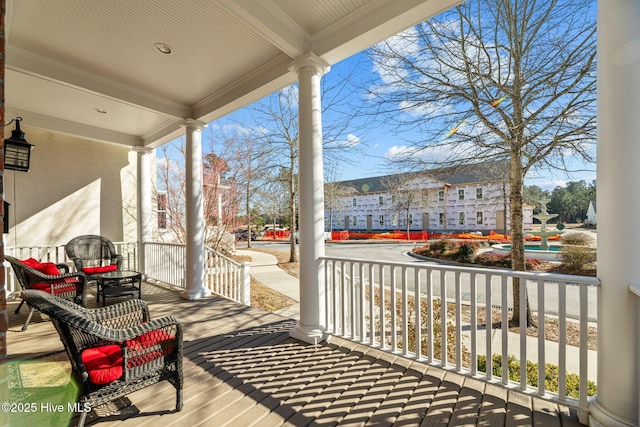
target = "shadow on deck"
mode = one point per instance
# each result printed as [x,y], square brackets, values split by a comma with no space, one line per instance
[241,368]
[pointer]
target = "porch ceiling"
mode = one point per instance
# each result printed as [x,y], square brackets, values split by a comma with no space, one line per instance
[67,58]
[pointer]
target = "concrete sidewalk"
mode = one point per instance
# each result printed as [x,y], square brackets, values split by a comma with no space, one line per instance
[264,268]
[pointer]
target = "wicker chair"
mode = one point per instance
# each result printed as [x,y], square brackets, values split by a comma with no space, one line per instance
[48,277]
[115,350]
[93,255]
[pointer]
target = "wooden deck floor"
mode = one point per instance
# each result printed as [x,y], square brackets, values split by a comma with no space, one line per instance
[242,369]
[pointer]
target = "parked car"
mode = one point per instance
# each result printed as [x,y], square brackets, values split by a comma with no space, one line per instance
[242,233]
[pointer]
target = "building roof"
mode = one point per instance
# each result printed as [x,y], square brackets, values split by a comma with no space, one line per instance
[453,175]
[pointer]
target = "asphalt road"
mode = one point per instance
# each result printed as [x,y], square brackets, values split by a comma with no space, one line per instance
[399,252]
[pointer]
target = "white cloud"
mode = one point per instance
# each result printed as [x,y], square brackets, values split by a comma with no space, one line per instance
[352,140]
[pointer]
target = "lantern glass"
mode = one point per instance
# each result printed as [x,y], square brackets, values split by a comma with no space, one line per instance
[17,151]
[16,156]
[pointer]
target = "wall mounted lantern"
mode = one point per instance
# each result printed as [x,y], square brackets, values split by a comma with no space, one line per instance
[17,151]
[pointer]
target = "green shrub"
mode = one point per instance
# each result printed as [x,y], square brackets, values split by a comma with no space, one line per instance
[576,257]
[550,373]
[440,246]
[577,239]
[466,252]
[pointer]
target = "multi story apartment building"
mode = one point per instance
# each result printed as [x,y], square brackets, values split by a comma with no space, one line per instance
[465,198]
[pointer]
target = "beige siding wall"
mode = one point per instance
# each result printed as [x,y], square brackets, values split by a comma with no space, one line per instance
[75,186]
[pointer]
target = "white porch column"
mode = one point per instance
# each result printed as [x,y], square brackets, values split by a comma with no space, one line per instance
[194,215]
[144,197]
[310,327]
[618,213]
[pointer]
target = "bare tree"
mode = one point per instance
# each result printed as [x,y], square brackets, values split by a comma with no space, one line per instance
[171,183]
[220,195]
[276,124]
[334,191]
[407,194]
[496,79]
[249,159]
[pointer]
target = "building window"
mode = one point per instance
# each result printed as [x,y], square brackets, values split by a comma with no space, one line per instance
[410,219]
[441,218]
[162,210]
[461,218]
[380,200]
[394,220]
[479,218]
[355,220]
[394,199]
[354,201]
[381,219]
[478,193]
[339,221]
[460,194]
[441,196]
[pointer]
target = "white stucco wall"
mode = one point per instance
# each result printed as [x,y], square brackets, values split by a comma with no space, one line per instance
[75,186]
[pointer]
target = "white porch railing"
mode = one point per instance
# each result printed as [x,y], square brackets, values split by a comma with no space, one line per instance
[165,262]
[56,254]
[360,293]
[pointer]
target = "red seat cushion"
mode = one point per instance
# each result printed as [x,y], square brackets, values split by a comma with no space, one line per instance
[46,287]
[102,269]
[103,364]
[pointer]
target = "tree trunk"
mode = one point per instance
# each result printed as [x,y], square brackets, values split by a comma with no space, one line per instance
[518,262]
[292,212]
[248,207]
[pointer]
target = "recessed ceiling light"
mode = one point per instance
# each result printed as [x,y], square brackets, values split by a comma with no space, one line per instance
[163,48]
[100,110]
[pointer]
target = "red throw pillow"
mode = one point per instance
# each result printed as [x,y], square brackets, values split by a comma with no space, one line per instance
[31,262]
[103,364]
[98,270]
[148,339]
[139,346]
[47,268]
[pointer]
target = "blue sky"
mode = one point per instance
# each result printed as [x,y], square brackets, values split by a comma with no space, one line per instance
[371,144]
[379,143]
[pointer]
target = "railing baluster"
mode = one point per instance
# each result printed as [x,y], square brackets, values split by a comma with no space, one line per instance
[458,307]
[393,305]
[489,327]
[354,300]
[372,306]
[541,338]
[443,317]
[405,313]
[340,307]
[362,312]
[328,303]
[505,330]
[584,344]
[562,339]
[418,312]
[474,324]
[430,316]
[523,333]
[382,310]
